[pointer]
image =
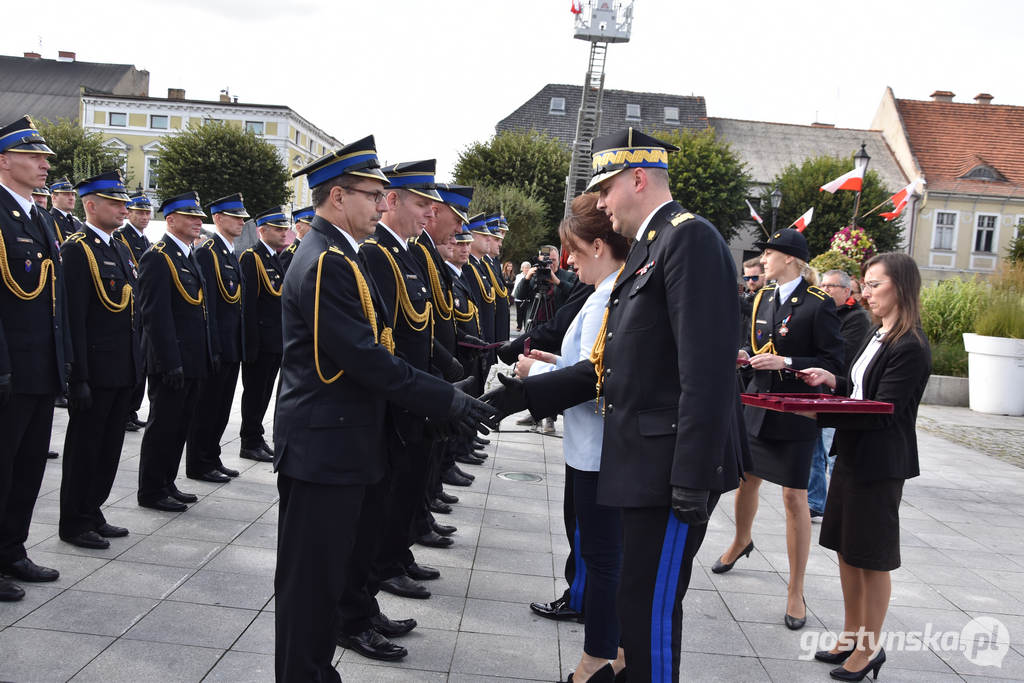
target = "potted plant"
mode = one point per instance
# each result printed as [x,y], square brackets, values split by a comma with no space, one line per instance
[995,350]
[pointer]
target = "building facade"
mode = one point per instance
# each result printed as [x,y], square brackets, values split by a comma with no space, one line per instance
[971,157]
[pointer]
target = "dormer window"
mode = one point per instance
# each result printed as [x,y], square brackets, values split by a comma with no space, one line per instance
[672,115]
[557,106]
[983,172]
[632,112]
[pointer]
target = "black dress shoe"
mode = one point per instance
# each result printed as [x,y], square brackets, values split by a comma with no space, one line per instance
[480,442]
[265,447]
[479,454]
[434,540]
[830,657]
[215,476]
[142,423]
[439,507]
[110,531]
[227,470]
[453,478]
[131,426]
[558,610]
[181,496]
[165,504]
[443,529]
[87,539]
[722,567]
[405,587]
[27,570]
[467,475]
[467,459]
[391,628]
[606,674]
[795,624]
[52,455]
[60,402]
[371,644]
[257,454]
[421,572]
[10,592]
[446,497]
[874,666]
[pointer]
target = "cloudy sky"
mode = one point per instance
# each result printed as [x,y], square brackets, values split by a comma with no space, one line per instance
[429,78]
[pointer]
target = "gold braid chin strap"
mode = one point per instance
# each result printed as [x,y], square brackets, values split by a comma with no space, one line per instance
[503,293]
[417,321]
[384,338]
[46,266]
[597,351]
[127,296]
[770,346]
[227,296]
[442,304]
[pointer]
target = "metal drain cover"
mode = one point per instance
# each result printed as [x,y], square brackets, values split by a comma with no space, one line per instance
[520,476]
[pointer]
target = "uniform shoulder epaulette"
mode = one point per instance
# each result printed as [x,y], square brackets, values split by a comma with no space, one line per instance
[770,287]
[250,250]
[208,244]
[336,250]
[370,240]
[680,218]
[818,292]
[158,246]
[76,237]
[292,247]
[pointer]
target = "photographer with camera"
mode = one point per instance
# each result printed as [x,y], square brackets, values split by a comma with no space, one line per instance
[545,285]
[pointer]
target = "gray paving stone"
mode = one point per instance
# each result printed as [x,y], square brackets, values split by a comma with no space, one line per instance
[505,618]
[514,561]
[36,594]
[993,600]
[39,532]
[243,489]
[133,660]
[171,551]
[208,587]
[511,656]
[203,529]
[746,581]
[429,650]
[717,636]
[700,666]
[72,568]
[259,536]
[55,546]
[243,666]
[364,670]
[458,555]
[442,612]
[243,560]
[137,579]
[184,623]
[137,520]
[29,654]
[258,637]
[454,581]
[508,587]
[93,613]
[224,508]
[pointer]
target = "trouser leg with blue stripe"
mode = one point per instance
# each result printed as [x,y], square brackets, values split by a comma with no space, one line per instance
[657,558]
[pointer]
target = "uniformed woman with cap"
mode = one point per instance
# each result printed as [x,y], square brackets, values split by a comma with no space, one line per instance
[793,326]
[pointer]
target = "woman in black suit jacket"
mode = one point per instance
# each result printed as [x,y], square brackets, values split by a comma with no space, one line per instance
[876,454]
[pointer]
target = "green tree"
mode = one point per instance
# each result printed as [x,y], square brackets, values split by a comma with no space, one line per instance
[1015,254]
[80,153]
[708,178]
[832,212]
[217,159]
[534,162]
[527,227]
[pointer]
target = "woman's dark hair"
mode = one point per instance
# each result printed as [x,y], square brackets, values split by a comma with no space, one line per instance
[585,224]
[906,280]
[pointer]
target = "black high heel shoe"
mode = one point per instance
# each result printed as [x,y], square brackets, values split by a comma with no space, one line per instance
[874,666]
[722,567]
[830,657]
[606,674]
[794,624]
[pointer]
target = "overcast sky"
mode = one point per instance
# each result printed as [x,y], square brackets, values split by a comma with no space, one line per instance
[429,78]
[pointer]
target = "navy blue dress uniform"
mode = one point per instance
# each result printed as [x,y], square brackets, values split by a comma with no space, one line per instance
[137,243]
[403,288]
[100,280]
[479,280]
[303,215]
[262,279]
[805,329]
[665,363]
[177,316]
[67,223]
[337,378]
[496,225]
[223,276]
[34,348]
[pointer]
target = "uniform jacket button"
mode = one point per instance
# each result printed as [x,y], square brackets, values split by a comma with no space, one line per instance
[607,372]
[615,302]
[718,470]
[610,408]
[608,336]
[673,425]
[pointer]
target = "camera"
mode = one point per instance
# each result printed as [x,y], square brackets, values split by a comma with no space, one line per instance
[543,266]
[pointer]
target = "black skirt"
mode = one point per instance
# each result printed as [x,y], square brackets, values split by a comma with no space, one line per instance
[862,521]
[786,463]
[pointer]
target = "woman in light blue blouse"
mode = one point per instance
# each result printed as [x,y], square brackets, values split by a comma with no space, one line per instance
[598,254]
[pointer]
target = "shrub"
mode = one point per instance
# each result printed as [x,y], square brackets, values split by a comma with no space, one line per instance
[949,308]
[949,358]
[834,260]
[1002,312]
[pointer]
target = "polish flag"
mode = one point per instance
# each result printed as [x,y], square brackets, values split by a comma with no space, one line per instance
[853,180]
[577,7]
[899,201]
[803,221]
[753,214]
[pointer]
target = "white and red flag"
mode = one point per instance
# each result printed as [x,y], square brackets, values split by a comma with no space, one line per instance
[577,7]
[753,214]
[899,201]
[854,180]
[803,221]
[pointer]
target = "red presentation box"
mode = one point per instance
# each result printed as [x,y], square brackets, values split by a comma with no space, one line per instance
[815,403]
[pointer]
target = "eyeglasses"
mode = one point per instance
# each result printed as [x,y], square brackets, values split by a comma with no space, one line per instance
[833,287]
[868,286]
[748,278]
[376,196]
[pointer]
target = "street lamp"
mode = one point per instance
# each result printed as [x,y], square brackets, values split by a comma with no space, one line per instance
[860,162]
[776,198]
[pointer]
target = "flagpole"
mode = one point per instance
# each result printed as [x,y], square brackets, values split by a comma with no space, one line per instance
[868,213]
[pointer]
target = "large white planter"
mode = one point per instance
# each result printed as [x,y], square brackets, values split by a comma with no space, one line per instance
[995,366]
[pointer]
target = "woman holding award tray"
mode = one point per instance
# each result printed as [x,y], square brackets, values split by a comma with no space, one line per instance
[876,453]
[793,326]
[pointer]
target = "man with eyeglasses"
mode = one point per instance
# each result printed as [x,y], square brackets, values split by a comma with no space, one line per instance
[854,323]
[753,280]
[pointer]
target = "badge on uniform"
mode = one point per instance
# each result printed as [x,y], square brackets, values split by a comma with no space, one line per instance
[112,284]
[28,266]
[135,273]
[783,330]
[457,302]
[650,235]
[644,270]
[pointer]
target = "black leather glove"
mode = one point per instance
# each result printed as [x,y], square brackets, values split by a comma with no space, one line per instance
[79,396]
[509,398]
[470,415]
[475,341]
[215,364]
[451,369]
[175,379]
[507,353]
[5,389]
[690,505]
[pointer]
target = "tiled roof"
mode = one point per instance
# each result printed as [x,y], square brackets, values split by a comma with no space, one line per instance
[767,148]
[950,138]
[535,113]
[49,89]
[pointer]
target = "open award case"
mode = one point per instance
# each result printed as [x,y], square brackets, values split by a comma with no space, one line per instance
[814,403]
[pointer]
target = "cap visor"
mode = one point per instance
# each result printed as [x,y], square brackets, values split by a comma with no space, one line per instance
[32,148]
[600,178]
[374,173]
[116,196]
[429,194]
